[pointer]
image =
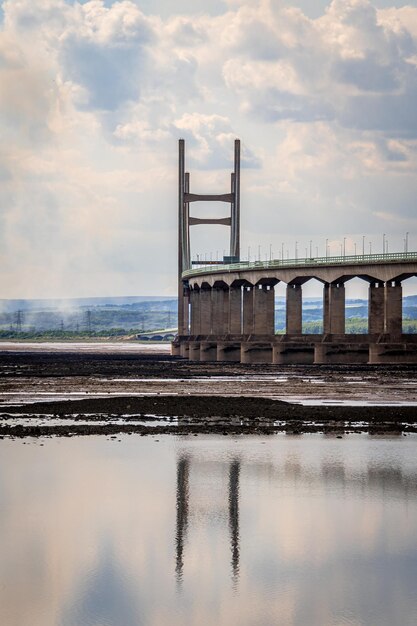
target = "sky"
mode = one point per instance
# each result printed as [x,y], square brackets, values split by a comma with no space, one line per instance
[95,95]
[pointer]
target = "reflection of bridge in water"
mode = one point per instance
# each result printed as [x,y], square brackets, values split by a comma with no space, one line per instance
[290,473]
[183,512]
[226,309]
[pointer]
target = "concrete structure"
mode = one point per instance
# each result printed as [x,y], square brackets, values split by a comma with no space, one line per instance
[158,335]
[231,305]
[185,220]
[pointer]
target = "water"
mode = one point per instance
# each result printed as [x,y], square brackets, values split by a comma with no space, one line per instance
[300,531]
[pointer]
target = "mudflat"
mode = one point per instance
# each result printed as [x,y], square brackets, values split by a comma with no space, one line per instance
[98,392]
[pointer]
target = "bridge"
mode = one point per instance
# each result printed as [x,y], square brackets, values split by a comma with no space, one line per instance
[226,310]
[166,334]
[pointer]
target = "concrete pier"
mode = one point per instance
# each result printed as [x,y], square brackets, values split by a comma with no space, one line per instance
[205,311]
[393,309]
[293,317]
[293,353]
[334,308]
[228,351]
[208,351]
[376,308]
[256,352]
[247,324]
[263,310]
[341,353]
[194,351]
[184,349]
[235,311]
[217,311]
[195,312]
[392,353]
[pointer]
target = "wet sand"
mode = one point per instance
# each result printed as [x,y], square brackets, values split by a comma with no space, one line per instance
[99,391]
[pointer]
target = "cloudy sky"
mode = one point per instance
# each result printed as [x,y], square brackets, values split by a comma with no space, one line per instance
[95,95]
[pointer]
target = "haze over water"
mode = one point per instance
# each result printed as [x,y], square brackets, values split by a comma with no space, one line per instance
[309,530]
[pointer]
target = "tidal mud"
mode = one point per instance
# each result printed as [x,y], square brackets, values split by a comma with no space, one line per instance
[99,393]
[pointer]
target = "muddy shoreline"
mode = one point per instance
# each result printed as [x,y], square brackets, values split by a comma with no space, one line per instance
[218,408]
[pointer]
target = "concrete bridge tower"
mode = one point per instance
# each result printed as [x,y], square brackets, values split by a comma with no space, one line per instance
[185,197]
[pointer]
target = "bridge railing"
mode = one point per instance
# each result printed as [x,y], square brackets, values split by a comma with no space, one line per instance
[358,259]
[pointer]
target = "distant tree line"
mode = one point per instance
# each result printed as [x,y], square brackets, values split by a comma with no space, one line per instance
[67,334]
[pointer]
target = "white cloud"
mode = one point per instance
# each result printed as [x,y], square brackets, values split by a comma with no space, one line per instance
[95,96]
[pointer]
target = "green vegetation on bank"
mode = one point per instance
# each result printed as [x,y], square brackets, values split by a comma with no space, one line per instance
[353,325]
[66,335]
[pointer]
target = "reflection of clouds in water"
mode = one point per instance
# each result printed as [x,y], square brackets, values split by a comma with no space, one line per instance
[104,596]
[319,531]
[65,499]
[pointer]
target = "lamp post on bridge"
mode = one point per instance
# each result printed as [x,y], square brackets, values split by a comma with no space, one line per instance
[363,245]
[296,250]
[383,243]
[327,247]
[406,242]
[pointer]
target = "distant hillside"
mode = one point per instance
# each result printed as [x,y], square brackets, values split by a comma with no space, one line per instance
[133,314]
[9,306]
[115,315]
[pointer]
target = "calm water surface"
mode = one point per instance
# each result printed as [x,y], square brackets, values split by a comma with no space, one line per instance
[306,531]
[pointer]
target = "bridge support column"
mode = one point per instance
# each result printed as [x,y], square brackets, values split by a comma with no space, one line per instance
[228,351]
[376,297]
[194,351]
[217,313]
[334,309]
[183,321]
[195,312]
[284,353]
[235,310]
[205,311]
[226,306]
[393,308]
[208,351]
[248,310]
[392,353]
[254,352]
[293,313]
[184,349]
[263,310]
[342,353]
